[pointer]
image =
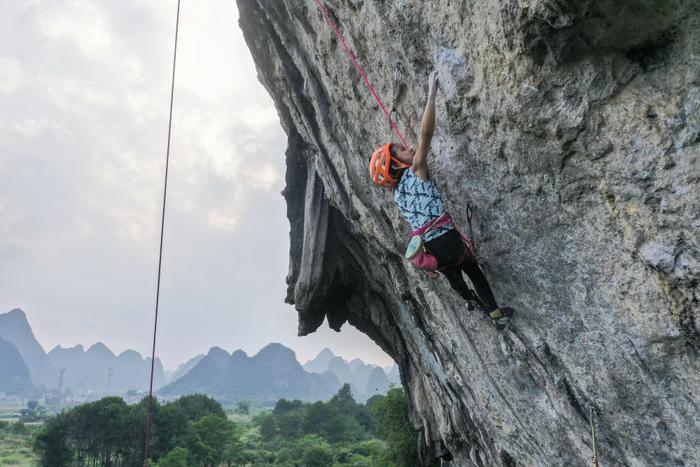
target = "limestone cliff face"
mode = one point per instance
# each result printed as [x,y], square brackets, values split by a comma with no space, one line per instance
[573,126]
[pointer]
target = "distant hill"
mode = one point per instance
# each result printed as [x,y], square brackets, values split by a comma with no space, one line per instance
[95,371]
[14,328]
[271,374]
[14,374]
[98,370]
[184,368]
[320,363]
[394,375]
[341,369]
[365,379]
[377,383]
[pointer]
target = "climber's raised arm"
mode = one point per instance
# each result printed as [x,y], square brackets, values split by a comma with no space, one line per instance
[427,127]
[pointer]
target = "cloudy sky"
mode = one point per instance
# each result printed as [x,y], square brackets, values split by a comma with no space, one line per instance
[84,91]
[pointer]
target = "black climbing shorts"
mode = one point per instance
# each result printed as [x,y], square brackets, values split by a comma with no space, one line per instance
[448,248]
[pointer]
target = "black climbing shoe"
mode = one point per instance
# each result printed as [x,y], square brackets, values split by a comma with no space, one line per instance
[500,317]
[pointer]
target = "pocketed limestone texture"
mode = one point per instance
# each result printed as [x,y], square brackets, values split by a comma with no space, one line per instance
[573,127]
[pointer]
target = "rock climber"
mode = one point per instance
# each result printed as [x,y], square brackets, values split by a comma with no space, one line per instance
[436,243]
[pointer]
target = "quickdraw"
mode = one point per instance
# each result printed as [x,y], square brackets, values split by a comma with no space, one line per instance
[591,417]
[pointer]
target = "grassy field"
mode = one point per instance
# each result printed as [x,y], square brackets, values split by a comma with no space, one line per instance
[16,446]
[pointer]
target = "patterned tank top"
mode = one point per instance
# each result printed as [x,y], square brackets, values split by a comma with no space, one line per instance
[420,202]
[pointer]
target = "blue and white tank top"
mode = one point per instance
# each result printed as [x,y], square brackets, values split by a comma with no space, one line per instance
[420,202]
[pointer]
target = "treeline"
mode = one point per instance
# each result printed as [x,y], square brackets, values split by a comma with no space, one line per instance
[195,431]
[111,432]
[339,432]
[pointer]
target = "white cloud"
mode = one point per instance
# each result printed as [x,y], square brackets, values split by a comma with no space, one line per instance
[260,117]
[84,93]
[223,221]
[12,75]
[79,22]
[264,177]
[23,128]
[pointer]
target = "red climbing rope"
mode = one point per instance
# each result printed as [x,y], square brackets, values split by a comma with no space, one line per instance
[332,24]
[149,411]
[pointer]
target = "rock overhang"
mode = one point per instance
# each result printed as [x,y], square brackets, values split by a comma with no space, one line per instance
[570,127]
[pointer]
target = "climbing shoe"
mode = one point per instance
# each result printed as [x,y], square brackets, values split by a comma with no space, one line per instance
[500,317]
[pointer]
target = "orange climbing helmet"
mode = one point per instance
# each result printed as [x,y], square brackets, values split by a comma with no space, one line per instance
[380,166]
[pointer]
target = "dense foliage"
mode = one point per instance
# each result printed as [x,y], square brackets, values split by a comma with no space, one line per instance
[195,431]
[110,432]
[339,432]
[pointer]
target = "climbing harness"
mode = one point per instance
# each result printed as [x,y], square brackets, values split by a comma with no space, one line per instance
[421,257]
[149,411]
[416,251]
[353,59]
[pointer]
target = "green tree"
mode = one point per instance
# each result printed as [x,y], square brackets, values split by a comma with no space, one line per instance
[288,425]
[209,437]
[343,400]
[268,427]
[51,443]
[358,460]
[243,408]
[355,419]
[33,413]
[99,431]
[287,416]
[327,421]
[197,406]
[394,427]
[173,421]
[317,456]
[289,455]
[284,406]
[234,453]
[178,457]
[319,419]
[369,448]
[110,432]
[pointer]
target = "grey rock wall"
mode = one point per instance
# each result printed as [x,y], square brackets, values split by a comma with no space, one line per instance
[573,127]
